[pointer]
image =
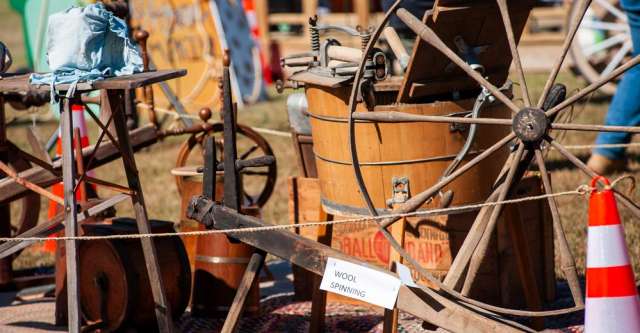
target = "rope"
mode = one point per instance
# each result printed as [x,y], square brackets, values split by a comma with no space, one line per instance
[581,190]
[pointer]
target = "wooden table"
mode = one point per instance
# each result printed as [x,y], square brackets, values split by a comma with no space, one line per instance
[115,108]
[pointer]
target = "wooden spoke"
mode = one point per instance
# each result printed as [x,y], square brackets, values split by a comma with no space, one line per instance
[594,86]
[402,117]
[506,19]
[432,38]
[622,198]
[595,128]
[470,243]
[567,262]
[573,28]
[481,250]
[248,152]
[419,199]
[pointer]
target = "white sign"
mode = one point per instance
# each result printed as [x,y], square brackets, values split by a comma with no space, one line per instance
[405,275]
[359,282]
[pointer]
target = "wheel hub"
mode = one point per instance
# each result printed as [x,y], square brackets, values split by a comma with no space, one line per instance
[530,125]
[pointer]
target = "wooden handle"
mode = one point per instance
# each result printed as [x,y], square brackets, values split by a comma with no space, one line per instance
[343,53]
[396,46]
[141,37]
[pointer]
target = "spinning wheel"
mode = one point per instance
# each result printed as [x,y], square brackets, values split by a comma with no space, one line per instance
[258,182]
[25,210]
[530,135]
[603,41]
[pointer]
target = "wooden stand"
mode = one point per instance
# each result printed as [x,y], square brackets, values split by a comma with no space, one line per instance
[116,90]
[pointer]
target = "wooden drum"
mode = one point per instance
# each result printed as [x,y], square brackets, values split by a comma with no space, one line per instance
[419,152]
[219,265]
[115,293]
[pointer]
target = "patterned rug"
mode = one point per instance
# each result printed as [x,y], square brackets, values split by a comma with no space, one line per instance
[280,313]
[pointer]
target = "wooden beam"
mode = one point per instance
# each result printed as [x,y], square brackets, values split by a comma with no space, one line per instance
[425,304]
[250,274]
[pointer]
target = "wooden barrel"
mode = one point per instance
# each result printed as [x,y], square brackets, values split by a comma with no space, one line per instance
[114,286]
[419,152]
[220,264]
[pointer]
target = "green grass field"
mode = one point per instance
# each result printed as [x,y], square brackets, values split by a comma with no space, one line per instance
[163,200]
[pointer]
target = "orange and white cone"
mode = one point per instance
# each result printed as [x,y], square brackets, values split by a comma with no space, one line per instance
[612,303]
[58,189]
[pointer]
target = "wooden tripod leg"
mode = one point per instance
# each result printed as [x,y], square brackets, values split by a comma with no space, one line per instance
[116,103]
[390,324]
[250,275]
[319,299]
[70,211]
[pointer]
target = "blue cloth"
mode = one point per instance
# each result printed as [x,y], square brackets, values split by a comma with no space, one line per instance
[625,106]
[85,44]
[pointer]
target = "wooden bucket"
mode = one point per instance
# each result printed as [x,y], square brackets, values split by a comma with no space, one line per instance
[419,152]
[114,272]
[219,266]
[217,262]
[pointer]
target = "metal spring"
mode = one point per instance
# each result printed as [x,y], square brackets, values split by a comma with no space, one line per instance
[314,33]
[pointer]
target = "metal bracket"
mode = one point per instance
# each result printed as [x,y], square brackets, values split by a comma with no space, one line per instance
[400,191]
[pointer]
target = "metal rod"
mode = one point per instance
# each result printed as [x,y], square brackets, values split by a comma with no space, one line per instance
[506,19]
[575,24]
[594,86]
[429,36]
[567,262]
[402,117]
[419,199]
[481,250]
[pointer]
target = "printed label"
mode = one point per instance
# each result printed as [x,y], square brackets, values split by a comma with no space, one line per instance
[359,282]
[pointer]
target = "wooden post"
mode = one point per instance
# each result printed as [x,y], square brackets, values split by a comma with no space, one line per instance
[70,211]
[390,324]
[115,103]
[363,11]
[319,299]
[250,274]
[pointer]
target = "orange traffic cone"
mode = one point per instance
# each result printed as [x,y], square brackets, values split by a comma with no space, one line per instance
[612,303]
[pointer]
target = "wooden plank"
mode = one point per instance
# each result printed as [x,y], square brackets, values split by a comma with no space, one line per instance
[10,190]
[250,274]
[162,309]
[479,26]
[71,221]
[319,300]
[425,304]
[20,83]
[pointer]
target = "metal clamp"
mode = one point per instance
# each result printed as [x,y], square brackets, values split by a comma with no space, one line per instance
[400,191]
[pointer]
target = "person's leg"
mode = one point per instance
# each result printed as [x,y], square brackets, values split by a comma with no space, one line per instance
[625,105]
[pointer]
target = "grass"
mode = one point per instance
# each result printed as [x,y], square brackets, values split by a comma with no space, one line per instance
[163,201]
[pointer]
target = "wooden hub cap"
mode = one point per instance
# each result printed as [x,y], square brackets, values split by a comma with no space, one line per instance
[530,125]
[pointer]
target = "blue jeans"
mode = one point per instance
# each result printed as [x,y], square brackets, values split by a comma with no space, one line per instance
[625,106]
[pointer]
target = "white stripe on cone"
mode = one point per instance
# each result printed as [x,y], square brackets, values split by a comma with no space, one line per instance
[612,314]
[606,247]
